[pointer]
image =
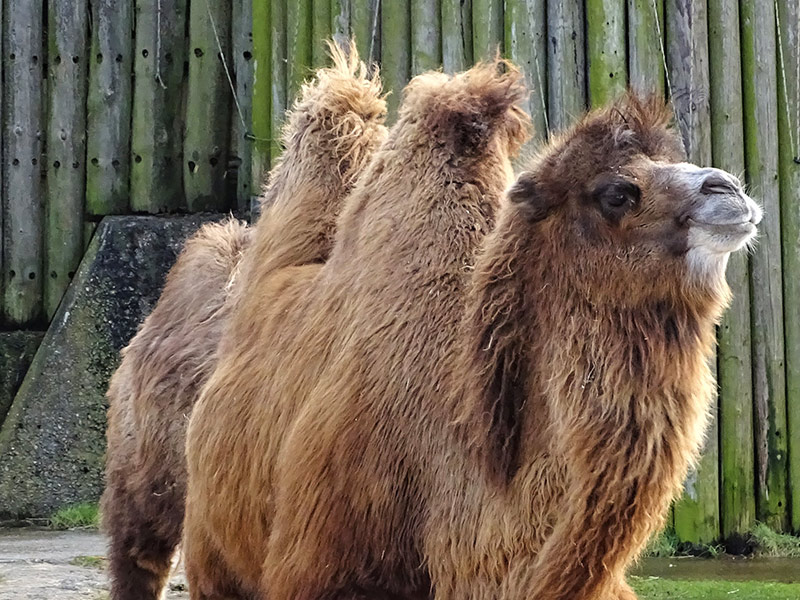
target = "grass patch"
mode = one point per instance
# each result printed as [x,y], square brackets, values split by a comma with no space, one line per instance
[663,545]
[772,544]
[78,516]
[667,589]
[89,562]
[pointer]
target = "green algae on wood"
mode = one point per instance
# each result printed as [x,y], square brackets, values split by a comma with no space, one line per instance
[566,59]
[157,116]
[395,51]
[487,28]
[109,108]
[426,36]
[737,474]
[261,100]
[322,22]
[364,22]
[646,26]
[760,91]
[456,35]
[298,45]
[278,73]
[241,108]
[606,55]
[68,29]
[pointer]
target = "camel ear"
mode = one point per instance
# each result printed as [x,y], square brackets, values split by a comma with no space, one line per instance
[497,364]
[527,194]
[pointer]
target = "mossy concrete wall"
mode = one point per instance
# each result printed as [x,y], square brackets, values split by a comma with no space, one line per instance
[52,441]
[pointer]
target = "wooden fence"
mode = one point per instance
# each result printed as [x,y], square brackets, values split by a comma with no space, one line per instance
[113,107]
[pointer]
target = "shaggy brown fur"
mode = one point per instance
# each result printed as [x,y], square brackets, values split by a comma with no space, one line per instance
[302,465]
[331,133]
[387,446]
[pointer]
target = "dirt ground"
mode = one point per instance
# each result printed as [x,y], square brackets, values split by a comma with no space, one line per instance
[55,565]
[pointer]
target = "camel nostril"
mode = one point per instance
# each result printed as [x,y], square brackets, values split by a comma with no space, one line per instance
[717,184]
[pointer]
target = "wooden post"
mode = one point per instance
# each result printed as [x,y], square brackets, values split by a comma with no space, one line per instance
[205,145]
[566,59]
[340,22]
[22,185]
[261,100]
[157,120]
[789,168]
[646,26]
[697,512]
[761,154]
[68,51]
[456,35]
[487,28]
[240,147]
[299,26]
[322,17]
[109,108]
[526,45]
[2,162]
[608,63]
[278,80]
[426,36]
[395,51]
[364,22]
[737,493]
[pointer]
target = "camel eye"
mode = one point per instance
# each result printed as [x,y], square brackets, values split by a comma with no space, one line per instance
[616,197]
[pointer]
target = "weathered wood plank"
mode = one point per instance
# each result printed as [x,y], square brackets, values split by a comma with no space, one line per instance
[606,53]
[456,35]
[737,476]
[157,119]
[208,100]
[278,71]
[68,60]
[646,26]
[526,45]
[23,132]
[566,60]
[298,45]
[364,24]
[261,100]
[395,51]
[2,163]
[340,21]
[789,168]
[108,108]
[240,148]
[697,512]
[761,155]
[426,36]
[487,28]
[322,17]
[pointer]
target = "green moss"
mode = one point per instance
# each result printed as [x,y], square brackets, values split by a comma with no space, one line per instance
[89,562]
[78,515]
[663,545]
[769,543]
[666,589]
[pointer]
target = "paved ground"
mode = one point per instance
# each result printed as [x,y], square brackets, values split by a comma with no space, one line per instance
[51,565]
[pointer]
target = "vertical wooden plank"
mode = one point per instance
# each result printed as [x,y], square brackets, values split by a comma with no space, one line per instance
[298,43]
[261,100]
[240,159]
[321,31]
[526,45]
[646,25]
[426,36]
[487,28]
[108,108]
[566,59]
[697,512]
[364,22]
[68,47]
[157,119]
[395,51]
[278,80]
[340,22]
[23,191]
[205,145]
[2,159]
[606,55]
[760,92]
[737,492]
[456,35]
[789,168]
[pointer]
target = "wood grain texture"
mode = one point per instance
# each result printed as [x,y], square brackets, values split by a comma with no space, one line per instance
[737,474]
[566,62]
[68,60]
[395,51]
[278,73]
[239,163]
[789,170]
[760,91]
[109,104]
[261,100]
[364,26]
[426,36]
[606,50]
[646,27]
[23,192]
[456,35]
[299,28]
[157,119]
[487,28]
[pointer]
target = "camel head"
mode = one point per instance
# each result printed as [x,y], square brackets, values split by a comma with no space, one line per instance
[629,216]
